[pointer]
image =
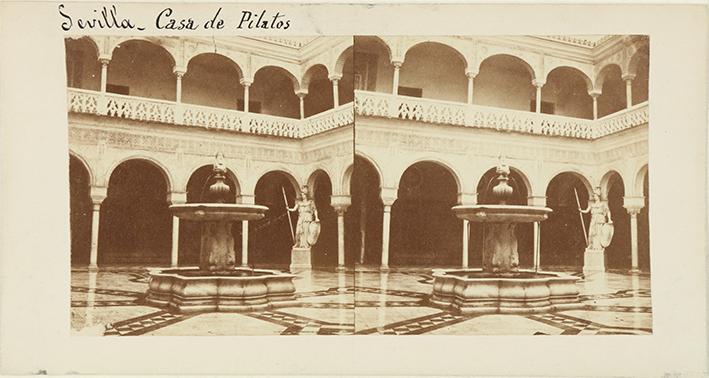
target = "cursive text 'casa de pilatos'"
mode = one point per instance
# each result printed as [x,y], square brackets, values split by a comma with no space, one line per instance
[108,17]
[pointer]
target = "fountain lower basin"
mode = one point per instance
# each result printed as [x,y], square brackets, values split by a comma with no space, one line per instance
[473,291]
[195,290]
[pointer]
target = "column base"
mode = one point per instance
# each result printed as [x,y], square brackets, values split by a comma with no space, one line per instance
[340,268]
[92,268]
[634,271]
[300,260]
[594,261]
[384,269]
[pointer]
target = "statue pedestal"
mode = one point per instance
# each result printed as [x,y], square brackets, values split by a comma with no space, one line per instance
[300,259]
[594,261]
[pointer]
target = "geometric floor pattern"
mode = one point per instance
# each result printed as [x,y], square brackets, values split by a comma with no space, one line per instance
[362,302]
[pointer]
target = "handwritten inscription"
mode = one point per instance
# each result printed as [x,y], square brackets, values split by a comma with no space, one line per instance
[108,17]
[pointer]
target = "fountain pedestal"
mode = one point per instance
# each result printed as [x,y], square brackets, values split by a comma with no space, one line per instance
[300,259]
[500,248]
[217,247]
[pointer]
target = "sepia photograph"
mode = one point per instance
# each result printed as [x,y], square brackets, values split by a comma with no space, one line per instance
[368,185]
[502,185]
[396,189]
[207,185]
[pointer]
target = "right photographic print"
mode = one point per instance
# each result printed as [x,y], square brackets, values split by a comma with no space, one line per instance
[500,185]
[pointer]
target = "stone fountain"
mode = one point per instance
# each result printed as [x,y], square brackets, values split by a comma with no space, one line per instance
[500,286]
[218,285]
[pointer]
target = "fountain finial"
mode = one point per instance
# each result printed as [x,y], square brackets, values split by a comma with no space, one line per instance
[219,191]
[502,190]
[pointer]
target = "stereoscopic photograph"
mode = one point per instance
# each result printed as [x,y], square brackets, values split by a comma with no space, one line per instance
[366,185]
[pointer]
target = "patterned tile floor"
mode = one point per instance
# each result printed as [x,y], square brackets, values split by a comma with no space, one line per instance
[362,302]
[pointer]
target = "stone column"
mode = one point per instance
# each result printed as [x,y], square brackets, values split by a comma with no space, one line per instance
[388,199]
[628,89]
[538,99]
[246,199]
[633,205]
[104,73]
[98,194]
[362,229]
[471,83]
[335,91]
[395,83]
[594,95]
[385,237]
[179,73]
[301,96]
[540,201]
[176,198]
[245,243]
[179,112]
[340,203]
[247,84]
[102,105]
[466,238]
[537,245]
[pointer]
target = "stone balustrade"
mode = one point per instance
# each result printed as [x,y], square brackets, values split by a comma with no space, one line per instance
[153,110]
[375,104]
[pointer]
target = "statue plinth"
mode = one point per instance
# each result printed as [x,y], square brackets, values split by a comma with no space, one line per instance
[300,260]
[594,260]
[217,249]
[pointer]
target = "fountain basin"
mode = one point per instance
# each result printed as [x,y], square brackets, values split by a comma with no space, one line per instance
[218,211]
[190,290]
[473,291]
[501,213]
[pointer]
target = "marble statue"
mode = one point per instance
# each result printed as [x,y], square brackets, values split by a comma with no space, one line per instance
[308,227]
[598,231]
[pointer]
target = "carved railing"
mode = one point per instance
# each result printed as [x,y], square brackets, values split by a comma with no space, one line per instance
[627,118]
[147,109]
[328,120]
[375,104]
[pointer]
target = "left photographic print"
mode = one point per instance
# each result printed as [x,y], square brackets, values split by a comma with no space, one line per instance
[209,183]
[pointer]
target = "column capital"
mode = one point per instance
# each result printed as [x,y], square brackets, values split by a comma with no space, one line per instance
[301,93]
[335,77]
[471,74]
[340,202]
[104,59]
[540,201]
[538,83]
[246,81]
[98,194]
[628,77]
[177,197]
[389,195]
[397,63]
[633,210]
[179,71]
[634,204]
[594,93]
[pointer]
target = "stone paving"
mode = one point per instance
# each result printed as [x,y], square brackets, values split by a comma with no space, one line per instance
[361,302]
